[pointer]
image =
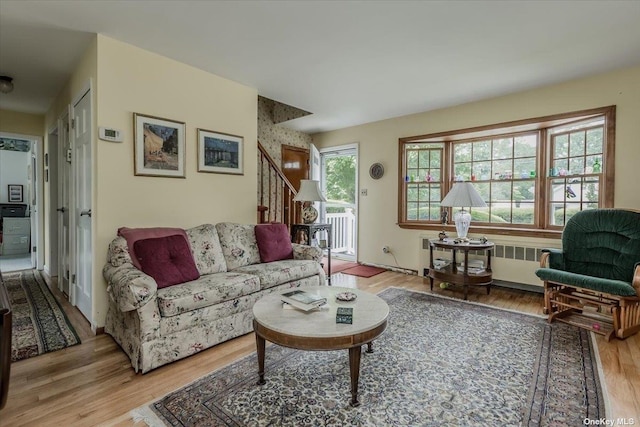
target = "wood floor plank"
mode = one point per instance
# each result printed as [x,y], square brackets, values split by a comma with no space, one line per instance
[93,383]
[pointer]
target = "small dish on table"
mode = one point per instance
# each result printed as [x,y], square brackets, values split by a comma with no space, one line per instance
[346,296]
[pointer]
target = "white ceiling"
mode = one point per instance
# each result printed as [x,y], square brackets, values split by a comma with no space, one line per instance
[348,62]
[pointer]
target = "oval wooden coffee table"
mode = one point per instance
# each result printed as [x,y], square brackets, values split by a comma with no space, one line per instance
[318,330]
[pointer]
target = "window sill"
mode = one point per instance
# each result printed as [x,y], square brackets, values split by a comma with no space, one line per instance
[500,231]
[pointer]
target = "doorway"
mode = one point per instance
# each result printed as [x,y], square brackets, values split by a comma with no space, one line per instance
[20,202]
[339,181]
[295,166]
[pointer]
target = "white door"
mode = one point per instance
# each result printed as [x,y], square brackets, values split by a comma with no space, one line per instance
[82,205]
[64,193]
[51,176]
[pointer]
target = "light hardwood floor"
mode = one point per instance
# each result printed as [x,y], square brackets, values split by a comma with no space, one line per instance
[94,384]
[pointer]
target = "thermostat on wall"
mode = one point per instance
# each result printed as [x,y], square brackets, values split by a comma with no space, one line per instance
[109,134]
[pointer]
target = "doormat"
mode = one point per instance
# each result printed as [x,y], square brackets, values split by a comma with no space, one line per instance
[39,325]
[364,271]
[441,362]
[338,265]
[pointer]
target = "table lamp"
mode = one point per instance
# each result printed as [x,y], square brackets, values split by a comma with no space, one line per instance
[461,195]
[309,192]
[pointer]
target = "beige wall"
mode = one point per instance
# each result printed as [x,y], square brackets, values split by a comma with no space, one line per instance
[21,123]
[126,79]
[379,143]
[84,75]
[134,80]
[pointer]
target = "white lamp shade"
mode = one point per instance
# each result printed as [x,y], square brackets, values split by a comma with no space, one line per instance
[309,192]
[463,194]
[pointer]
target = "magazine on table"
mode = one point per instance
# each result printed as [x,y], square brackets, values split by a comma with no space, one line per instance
[303,300]
[287,306]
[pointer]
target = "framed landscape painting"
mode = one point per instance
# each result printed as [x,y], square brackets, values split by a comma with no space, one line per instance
[220,152]
[159,146]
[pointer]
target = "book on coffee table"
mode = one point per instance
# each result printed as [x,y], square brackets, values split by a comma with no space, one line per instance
[303,300]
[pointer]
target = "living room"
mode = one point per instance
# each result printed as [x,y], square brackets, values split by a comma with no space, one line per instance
[126,79]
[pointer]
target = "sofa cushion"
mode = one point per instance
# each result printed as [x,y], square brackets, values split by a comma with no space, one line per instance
[167,259]
[207,290]
[274,242]
[206,249]
[239,244]
[278,272]
[132,235]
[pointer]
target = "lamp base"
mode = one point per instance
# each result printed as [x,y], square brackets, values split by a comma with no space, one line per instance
[309,214]
[462,220]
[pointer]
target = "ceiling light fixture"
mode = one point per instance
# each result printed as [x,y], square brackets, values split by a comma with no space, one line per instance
[6,84]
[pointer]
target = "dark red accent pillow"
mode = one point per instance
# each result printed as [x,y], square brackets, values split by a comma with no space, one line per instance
[167,259]
[132,235]
[274,243]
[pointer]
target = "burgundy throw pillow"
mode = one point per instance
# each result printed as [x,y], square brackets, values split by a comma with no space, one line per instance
[167,259]
[274,243]
[132,235]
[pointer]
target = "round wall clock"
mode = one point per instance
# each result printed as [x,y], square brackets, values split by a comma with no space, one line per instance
[376,170]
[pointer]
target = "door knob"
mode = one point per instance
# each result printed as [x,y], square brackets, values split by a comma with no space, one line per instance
[87,213]
[63,210]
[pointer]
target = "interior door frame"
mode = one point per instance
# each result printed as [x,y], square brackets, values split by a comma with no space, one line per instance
[323,152]
[51,177]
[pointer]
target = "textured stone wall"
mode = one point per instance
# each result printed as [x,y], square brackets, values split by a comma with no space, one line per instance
[273,136]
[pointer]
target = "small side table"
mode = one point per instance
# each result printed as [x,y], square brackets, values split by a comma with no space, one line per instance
[451,273]
[309,232]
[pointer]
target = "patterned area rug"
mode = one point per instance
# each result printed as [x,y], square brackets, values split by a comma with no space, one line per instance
[441,362]
[39,325]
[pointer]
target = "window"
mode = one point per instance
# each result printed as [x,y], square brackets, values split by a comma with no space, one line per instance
[533,174]
[423,179]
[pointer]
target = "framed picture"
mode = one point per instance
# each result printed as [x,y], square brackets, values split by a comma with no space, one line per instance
[159,146]
[15,193]
[220,152]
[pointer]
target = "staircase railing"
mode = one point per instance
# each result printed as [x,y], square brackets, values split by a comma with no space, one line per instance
[275,192]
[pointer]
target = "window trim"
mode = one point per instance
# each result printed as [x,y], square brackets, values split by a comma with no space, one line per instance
[539,124]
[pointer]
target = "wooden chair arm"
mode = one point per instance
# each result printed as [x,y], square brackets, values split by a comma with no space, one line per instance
[635,282]
[543,259]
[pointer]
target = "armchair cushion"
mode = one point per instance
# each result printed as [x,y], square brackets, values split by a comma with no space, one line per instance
[602,243]
[597,284]
[167,259]
[274,242]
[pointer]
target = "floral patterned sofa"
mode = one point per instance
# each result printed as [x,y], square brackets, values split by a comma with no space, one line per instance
[156,326]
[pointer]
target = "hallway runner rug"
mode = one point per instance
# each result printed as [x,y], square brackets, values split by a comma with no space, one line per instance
[39,324]
[441,362]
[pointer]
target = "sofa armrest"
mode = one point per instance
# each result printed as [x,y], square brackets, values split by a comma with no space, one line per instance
[552,258]
[307,252]
[129,287]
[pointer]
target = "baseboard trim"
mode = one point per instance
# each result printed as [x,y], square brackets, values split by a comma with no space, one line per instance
[392,268]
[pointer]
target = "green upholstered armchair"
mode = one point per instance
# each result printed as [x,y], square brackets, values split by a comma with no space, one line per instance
[594,280]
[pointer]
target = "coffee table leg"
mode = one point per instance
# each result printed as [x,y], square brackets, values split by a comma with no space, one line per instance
[260,344]
[354,368]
